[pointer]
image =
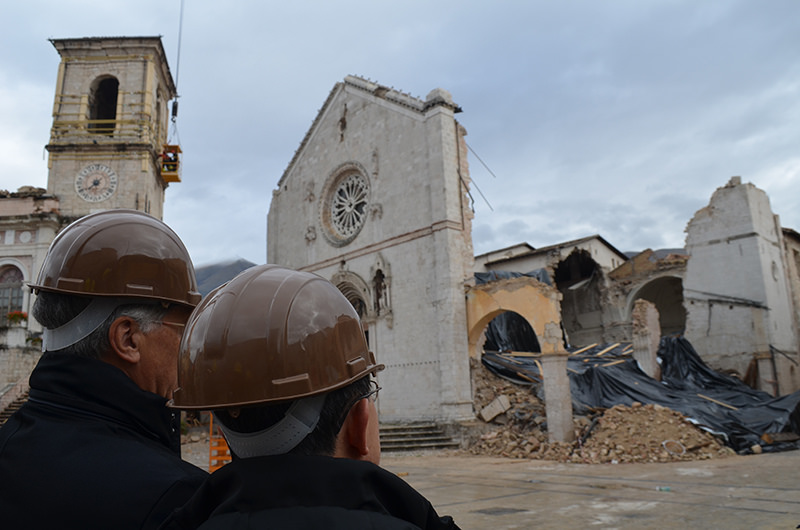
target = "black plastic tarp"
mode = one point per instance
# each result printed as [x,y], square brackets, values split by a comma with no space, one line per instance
[716,402]
[492,276]
[510,332]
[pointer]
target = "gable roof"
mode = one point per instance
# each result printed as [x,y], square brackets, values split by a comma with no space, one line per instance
[545,250]
[436,98]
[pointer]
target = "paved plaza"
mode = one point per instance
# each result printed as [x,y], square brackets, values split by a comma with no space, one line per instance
[753,492]
[758,491]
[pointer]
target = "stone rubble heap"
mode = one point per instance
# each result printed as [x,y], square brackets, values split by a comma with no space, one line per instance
[640,433]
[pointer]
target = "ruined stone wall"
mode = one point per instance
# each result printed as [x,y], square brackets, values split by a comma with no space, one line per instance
[536,302]
[791,255]
[738,299]
[584,304]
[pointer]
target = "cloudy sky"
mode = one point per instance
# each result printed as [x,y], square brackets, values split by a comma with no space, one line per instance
[615,117]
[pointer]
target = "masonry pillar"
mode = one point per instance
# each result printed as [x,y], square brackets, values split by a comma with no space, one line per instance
[646,337]
[558,399]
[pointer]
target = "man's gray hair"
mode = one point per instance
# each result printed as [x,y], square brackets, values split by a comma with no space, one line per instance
[54,310]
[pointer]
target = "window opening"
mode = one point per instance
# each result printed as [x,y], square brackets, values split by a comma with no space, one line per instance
[10,290]
[103,110]
[348,208]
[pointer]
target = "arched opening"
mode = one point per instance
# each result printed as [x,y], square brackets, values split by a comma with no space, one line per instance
[536,302]
[103,106]
[578,280]
[666,293]
[11,293]
[508,332]
[353,295]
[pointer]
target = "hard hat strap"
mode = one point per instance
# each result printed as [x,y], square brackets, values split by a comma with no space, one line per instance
[80,327]
[278,439]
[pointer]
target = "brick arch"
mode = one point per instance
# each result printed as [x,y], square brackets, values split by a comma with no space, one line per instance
[536,302]
[666,293]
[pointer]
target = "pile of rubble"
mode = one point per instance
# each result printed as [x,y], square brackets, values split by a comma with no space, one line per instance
[640,433]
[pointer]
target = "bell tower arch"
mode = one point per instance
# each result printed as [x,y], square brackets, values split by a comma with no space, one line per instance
[110,124]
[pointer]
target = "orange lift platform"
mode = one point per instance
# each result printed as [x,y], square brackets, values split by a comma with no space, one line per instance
[171,163]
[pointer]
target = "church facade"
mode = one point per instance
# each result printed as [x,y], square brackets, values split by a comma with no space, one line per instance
[376,200]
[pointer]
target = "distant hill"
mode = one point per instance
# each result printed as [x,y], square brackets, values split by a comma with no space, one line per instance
[210,277]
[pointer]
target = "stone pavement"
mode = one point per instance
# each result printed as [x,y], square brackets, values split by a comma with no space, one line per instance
[753,492]
[758,491]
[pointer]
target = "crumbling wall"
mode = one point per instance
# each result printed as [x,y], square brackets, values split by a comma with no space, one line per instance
[738,299]
[646,337]
[583,284]
[533,300]
[791,247]
[645,276]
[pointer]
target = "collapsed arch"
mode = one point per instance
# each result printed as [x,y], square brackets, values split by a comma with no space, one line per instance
[509,331]
[666,293]
[535,302]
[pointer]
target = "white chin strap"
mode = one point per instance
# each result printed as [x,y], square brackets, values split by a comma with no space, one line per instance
[278,439]
[80,327]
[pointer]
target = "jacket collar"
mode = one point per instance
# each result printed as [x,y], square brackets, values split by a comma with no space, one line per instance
[95,388]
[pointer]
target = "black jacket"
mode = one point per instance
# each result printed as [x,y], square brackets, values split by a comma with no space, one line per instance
[304,492]
[90,449]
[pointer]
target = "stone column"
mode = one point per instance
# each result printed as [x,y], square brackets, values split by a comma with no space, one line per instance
[558,399]
[646,337]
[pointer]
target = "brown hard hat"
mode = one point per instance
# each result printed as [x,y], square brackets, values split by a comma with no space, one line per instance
[271,334]
[119,253]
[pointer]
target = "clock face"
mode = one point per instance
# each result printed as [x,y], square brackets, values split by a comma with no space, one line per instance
[96,182]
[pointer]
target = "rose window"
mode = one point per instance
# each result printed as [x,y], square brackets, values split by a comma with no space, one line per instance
[345,209]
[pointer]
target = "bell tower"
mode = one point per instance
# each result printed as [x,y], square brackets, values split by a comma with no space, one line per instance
[110,124]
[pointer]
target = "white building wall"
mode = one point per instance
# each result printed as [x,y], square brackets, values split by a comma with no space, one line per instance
[417,228]
[736,292]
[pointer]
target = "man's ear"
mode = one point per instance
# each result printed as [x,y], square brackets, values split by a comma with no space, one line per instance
[354,434]
[124,336]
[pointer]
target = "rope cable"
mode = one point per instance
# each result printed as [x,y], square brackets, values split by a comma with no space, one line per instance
[481,161]
[178,60]
[473,180]
[174,117]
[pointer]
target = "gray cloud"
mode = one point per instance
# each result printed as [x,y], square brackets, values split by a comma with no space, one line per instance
[619,118]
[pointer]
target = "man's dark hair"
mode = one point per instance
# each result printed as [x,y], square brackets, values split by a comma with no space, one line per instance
[322,440]
[53,310]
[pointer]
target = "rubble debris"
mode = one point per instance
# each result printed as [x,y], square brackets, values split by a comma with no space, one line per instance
[647,433]
[621,434]
[719,403]
[495,408]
